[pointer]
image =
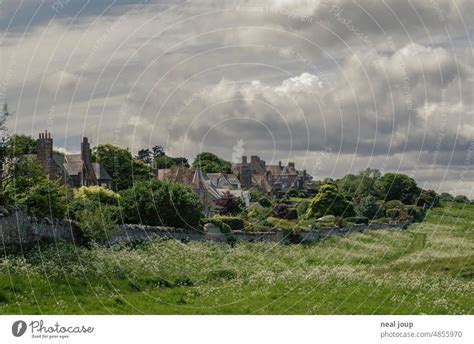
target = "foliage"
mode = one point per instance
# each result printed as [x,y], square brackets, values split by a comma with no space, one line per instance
[358,220]
[284,211]
[211,163]
[461,199]
[329,202]
[235,223]
[168,162]
[148,156]
[161,203]
[229,204]
[369,207]
[395,186]
[302,208]
[217,221]
[98,223]
[394,204]
[428,199]
[19,145]
[30,186]
[446,197]
[121,166]
[96,194]
[362,184]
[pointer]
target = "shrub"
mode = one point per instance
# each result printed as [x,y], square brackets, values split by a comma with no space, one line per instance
[98,223]
[233,222]
[158,203]
[395,204]
[302,208]
[369,207]
[284,211]
[265,202]
[329,202]
[358,220]
[97,194]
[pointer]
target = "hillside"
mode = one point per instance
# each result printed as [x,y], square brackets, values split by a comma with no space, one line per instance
[428,268]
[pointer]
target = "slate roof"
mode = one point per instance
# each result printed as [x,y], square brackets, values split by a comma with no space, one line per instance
[100,172]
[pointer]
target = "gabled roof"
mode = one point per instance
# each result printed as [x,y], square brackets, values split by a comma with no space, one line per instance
[100,172]
[274,169]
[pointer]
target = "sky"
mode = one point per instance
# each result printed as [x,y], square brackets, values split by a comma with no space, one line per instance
[335,86]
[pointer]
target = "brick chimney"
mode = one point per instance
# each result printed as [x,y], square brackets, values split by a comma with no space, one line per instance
[86,151]
[45,152]
[244,159]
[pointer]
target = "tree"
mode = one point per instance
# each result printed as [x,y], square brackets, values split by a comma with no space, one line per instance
[164,161]
[29,185]
[211,163]
[362,184]
[428,199]
[369,207]
[461,199]
[19,145]
[395,186]
[121,166]
[329,202]
[230,205]
[158,203]
[145,155]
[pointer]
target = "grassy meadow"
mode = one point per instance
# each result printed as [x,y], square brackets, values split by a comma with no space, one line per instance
[427,269]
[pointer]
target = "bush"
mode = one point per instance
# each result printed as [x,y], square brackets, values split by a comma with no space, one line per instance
[98,223]
[283,211]
[358,220]
[329,202]
[233,222]
[158,203]
[224,227]
[265,202]
[395,204]
[302,208]
[369,207]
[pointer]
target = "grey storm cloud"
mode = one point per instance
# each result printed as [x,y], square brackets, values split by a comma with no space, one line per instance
[336,86]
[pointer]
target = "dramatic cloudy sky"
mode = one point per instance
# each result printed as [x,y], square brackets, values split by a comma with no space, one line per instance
[335,86]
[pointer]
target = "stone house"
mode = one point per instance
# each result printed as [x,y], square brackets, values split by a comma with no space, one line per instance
[270,179]
[74,170]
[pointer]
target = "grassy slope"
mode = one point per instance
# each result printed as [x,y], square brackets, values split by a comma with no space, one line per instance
[426,269]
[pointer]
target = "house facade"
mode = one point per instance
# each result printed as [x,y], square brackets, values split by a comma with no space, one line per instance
[270,179]
[74,170]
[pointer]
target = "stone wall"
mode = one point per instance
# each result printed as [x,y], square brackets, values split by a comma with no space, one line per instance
[18,228]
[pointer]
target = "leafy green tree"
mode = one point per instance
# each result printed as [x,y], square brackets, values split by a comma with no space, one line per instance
[121,166]
[98,223]
[161,203]
[362,184]
[30,186]
[145,155]
[369,207]
[4,114]
[446,197]
[461,199]
[395,186]
[428,198]
[329,202]
[211,163]
[19,145]
[168,162]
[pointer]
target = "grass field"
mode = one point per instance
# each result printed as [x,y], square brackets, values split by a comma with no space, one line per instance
[428,268]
